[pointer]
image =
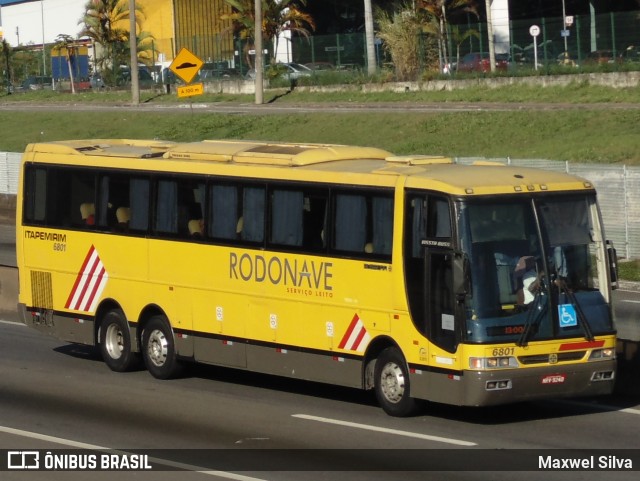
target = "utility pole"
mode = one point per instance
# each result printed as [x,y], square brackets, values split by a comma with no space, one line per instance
[258,48]
[492,47]
[133,49]
[44,53]
[368,27]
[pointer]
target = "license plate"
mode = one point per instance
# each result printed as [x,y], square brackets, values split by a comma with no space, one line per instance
[554,379]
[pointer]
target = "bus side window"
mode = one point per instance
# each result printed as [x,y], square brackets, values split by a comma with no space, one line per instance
[364,224]
[315,221]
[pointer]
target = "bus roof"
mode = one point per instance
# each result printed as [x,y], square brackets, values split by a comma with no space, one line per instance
[421,171]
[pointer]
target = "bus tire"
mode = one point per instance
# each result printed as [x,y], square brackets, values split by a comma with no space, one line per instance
[392,384]
[115,342]
[158,349]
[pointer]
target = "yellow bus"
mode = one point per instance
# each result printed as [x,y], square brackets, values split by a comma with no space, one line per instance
[414,276]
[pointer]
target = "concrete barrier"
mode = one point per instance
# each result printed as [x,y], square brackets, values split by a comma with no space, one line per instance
[9,294]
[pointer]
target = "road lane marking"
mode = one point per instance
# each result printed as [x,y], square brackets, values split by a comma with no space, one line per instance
[14,323]
[94,447]
[630,301]
[396,432]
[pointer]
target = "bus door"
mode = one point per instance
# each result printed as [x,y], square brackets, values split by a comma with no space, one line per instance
[429,269]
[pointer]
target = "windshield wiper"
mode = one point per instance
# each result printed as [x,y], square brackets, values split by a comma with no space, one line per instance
[564,289]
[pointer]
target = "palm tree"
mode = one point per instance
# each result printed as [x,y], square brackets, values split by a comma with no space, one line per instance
[440,11]
[106,23]
[67,42]
[460,37]
[278,16]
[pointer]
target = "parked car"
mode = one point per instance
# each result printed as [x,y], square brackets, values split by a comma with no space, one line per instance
[295,71]
[287,71]
[479,62]
[217,71]
[319,66]
[600,57]
[37,83]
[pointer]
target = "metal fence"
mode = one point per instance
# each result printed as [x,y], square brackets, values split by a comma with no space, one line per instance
[615,36]
[618,193]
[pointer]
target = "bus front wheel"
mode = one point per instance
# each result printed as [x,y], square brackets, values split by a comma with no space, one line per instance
[158,349]
[115,342]
[392,384]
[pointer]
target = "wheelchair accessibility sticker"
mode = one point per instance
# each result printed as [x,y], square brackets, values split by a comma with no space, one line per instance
[567,315]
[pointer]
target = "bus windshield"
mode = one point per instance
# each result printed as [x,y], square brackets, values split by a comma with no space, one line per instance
[534,268]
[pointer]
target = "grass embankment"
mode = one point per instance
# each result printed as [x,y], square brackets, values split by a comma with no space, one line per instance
[579,134]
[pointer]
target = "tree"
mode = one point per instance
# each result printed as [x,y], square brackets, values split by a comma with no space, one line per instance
[106,23]
[6,54]
[400,32]
[278,16]
[440,11]
[67,42]
[460,37]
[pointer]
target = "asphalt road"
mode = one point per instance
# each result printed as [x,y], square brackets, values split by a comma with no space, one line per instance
[59,396]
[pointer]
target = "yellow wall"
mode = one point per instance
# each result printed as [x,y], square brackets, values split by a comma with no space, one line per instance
[159,22]
[198,28]
[193,24]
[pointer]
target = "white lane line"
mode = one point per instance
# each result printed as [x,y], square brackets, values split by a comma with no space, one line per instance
[630,301]
[13,323]
[396,432]
[164,462]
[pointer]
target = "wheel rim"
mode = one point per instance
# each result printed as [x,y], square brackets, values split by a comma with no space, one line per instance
[157,347]
[114,341]
[392,382]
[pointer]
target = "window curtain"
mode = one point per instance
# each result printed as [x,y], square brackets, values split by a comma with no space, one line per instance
[253,214]
[167,207]
[382,225]
[351,220]
[139,197]
[287,218]
[223,212]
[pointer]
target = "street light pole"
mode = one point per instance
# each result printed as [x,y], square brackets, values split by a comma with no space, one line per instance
[492,47]
[368,27]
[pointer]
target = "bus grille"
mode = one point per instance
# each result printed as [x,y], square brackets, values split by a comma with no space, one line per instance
[41,289]
[544,358]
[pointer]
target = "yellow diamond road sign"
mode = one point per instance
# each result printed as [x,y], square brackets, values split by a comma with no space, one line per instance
[186,65]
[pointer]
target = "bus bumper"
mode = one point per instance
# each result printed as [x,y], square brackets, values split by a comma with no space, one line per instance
[488,388]
[66,328]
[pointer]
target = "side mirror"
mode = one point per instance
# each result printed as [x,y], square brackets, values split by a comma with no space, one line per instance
[612,256]
[461,276]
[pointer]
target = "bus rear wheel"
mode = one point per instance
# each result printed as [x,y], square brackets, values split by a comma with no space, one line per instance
[158,349]
[392,384]
[115,342]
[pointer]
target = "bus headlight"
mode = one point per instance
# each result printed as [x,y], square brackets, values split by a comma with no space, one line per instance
[492,362]
[599,354]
